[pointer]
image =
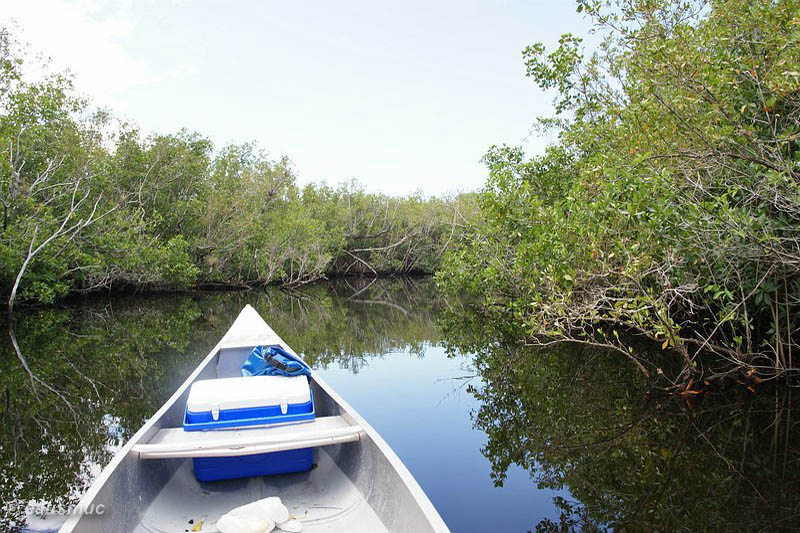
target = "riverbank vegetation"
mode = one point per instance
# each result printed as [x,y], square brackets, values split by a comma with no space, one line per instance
[669,207]
[89,203]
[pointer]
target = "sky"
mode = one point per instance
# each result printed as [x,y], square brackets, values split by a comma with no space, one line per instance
[404,97]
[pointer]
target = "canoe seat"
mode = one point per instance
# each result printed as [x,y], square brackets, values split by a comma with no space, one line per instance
[176,443]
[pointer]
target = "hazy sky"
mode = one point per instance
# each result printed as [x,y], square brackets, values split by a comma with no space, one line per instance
[402,96]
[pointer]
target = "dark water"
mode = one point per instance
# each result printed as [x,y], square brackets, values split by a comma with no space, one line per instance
[501,439]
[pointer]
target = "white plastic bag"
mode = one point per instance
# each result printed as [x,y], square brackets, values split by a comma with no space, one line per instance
[260,516]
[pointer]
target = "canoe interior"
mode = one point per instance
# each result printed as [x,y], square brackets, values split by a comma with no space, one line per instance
[324,499]
[354,487]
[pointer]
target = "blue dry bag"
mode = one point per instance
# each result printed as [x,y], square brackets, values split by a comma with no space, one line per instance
[273,361]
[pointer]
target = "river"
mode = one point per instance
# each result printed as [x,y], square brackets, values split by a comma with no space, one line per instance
[501,438]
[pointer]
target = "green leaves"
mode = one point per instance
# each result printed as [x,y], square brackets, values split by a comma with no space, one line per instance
[669,204]
[557,69]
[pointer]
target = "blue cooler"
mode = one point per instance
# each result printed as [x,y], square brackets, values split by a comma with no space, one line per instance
[238,403]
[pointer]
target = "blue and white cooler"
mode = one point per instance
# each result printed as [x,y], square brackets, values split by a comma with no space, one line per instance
[246,402]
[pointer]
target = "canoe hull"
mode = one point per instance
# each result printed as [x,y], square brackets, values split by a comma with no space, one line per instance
[128,487]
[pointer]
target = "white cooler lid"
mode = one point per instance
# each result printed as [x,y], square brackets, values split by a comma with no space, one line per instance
[251,391]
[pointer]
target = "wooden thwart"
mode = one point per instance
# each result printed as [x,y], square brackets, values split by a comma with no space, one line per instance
[176,443]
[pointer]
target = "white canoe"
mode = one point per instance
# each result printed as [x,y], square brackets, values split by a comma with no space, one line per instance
[359,484]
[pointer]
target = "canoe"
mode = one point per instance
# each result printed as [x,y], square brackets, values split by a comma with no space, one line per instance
[358,483]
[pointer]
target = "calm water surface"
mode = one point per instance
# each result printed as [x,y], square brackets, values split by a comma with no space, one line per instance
[501,439]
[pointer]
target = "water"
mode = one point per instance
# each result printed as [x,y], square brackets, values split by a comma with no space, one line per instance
[500,438]
[423,412]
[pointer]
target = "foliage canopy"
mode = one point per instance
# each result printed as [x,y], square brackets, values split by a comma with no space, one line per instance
[89,203]
[670,204]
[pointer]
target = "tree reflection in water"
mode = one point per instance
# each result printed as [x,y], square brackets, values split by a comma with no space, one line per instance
[632,458]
